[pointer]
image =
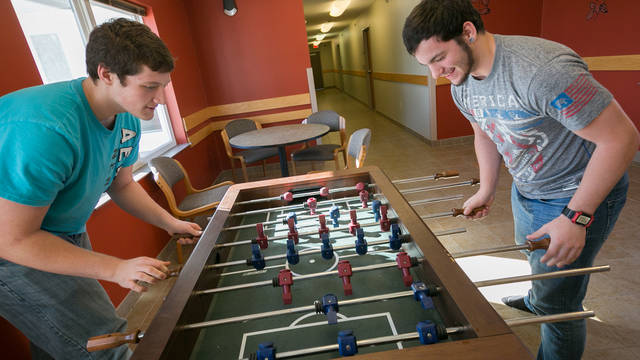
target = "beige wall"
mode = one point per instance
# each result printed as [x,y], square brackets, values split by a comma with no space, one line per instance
[408,104]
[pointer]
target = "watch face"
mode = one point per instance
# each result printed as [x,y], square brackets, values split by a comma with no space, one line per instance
[583,220]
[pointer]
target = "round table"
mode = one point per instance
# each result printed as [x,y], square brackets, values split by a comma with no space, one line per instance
[279,136]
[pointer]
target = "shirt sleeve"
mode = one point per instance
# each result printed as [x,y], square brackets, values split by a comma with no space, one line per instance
[456,96]
[566,91]
[36,163]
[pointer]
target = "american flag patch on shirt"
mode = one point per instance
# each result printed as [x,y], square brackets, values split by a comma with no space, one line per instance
[575,97]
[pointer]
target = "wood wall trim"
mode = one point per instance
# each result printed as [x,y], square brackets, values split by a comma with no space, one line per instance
[402,78]
[263,119]
[205,114]
[613,63]
[442,81]
[355,73]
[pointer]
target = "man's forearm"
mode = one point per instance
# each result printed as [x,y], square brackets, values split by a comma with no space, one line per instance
[601,174]
[133,199]
[47,252]
[489,160]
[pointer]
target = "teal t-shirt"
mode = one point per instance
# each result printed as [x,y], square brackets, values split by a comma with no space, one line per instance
[55,152]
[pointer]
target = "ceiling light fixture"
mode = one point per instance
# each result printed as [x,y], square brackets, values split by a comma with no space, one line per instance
[319,37]
[326,27]
[316,43]
[338,7]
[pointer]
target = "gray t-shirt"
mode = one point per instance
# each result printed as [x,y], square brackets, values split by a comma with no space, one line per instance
[538,91]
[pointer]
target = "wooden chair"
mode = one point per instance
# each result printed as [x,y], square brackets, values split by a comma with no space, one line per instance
[166,173]
[358,144]
[239,126]
[323,152]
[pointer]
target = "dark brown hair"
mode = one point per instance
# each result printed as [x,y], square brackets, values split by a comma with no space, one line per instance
[123,46]
[440,18]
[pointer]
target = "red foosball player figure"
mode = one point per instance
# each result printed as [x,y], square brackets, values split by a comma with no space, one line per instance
[261,239]
[284,280]
[345,272]
[353,225]
[385,224]
[312,204]
[323,225]
[364,197]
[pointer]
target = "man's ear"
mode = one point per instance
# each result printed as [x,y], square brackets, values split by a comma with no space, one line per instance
[105,75]
[469,31]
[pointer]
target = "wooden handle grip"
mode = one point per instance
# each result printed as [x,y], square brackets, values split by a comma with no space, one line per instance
[109,341]
[445,174]
[539,244]
[180,236]
[457,212]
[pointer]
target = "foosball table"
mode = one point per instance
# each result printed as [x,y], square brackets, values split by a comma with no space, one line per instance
[321,266]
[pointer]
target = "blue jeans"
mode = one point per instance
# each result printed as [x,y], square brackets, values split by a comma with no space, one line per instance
[59,313]
[563,340]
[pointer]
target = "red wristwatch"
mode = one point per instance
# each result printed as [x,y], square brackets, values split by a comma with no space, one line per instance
[578,217]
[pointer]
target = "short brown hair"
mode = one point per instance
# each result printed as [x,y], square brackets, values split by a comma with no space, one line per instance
[123,46]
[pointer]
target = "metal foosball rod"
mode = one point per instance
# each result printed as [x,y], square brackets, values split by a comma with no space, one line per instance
[447,174]
[315,251]
[455,212]
[283,221]
[296,206]
[281,237]
[471,182]
[434,200]
[116,339]
[389,296]
[443,333]
[324,191]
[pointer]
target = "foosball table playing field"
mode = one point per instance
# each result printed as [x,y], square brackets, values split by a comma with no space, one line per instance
[321,266]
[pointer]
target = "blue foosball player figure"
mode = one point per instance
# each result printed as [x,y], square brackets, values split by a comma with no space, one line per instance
[334,213]
[326,250]
[347,344]
[361,243]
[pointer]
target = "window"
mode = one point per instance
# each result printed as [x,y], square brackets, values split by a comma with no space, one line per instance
[57,31]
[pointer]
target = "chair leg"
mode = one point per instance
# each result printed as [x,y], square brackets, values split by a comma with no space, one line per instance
[335,158]
[344,156]
[179,253]
[244,171]
[233,170]
[264,168]
[293,167]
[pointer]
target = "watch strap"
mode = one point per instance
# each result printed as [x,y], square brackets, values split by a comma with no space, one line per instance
[578,217]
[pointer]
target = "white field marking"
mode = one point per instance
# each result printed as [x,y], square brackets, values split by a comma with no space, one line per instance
[292,326]
[335,263]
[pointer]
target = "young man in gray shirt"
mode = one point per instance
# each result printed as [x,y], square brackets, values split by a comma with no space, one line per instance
[566,142]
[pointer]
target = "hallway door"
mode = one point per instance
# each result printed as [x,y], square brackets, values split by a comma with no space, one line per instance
[368,67]
[316,65]
[339,60]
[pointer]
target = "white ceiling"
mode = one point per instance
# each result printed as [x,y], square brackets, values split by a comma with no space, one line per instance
[316,12]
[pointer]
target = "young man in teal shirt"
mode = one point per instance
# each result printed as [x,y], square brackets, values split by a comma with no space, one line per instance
[64,145]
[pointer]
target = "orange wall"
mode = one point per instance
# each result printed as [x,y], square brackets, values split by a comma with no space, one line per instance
[505,17]
[613,33]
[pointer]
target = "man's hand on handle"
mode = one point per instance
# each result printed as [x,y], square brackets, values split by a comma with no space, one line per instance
[567,242]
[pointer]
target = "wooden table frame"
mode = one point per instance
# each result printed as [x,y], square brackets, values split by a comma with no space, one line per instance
[460,303]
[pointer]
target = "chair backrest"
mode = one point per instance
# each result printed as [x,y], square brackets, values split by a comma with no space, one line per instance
[358,144]
[168,168]
[239,126]
[332,119]
[236,127]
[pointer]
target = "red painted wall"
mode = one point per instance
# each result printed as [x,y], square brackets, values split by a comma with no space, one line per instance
[17,67]
[259,53]
[504,17]
[219,60]
[605,34]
